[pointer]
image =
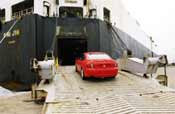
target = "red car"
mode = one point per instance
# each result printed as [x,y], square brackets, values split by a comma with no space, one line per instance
[96,64]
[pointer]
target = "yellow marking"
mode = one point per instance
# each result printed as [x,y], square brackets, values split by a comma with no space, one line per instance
[12,42]
[71,1]
[56,63]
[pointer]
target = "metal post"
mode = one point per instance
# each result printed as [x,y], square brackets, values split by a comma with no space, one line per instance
[165,73]
[88,6]
[152,41]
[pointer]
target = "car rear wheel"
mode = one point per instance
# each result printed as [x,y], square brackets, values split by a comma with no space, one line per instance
[113,77]
[82,74]
[76,70]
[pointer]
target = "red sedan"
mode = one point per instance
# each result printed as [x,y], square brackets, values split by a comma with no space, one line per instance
[96,64]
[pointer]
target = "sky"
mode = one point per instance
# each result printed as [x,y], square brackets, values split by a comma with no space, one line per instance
[157,19]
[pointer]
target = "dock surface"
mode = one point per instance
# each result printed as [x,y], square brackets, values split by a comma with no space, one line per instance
[19,103]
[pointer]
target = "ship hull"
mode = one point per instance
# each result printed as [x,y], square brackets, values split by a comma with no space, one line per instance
[34,35]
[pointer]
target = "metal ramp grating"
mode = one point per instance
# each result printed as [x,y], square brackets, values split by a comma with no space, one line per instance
[127,94]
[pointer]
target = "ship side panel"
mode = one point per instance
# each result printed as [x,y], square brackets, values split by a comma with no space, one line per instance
[39,37]
[105,37]
[138,49]
[44,35]
[27,49]
[114,41]
[5,55]
[93,35]
[16,51]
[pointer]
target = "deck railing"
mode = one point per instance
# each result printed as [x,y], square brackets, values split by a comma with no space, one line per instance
[2,19]
[22,13]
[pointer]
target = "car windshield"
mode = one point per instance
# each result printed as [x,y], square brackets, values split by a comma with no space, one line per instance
[97,56]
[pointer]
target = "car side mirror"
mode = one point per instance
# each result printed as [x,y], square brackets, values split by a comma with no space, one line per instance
[81,58]
[77,57]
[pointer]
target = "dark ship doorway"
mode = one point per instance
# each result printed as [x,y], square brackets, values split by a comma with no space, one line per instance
[70,49]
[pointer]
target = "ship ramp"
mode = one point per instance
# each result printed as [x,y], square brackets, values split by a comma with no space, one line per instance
[125,94]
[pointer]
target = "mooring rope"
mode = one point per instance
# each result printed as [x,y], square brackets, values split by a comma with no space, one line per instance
[5,36]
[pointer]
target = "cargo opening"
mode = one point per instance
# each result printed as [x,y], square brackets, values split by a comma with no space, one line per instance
[70,49]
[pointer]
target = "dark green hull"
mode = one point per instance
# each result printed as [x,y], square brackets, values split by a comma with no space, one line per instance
[34,35]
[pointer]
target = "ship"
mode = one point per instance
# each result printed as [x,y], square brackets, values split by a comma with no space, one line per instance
[31,28]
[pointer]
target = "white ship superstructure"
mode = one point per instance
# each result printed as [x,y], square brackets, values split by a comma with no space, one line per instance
[112,11]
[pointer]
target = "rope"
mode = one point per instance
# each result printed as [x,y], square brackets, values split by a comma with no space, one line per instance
[5,36]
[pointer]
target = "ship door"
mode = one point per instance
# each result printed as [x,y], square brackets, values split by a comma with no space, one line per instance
[46,8]
[106,15]
[70,49]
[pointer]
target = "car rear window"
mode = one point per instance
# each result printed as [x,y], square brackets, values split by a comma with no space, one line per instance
[98,56]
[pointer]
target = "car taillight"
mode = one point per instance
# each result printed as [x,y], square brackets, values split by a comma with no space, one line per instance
[116,65]
[90,66]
